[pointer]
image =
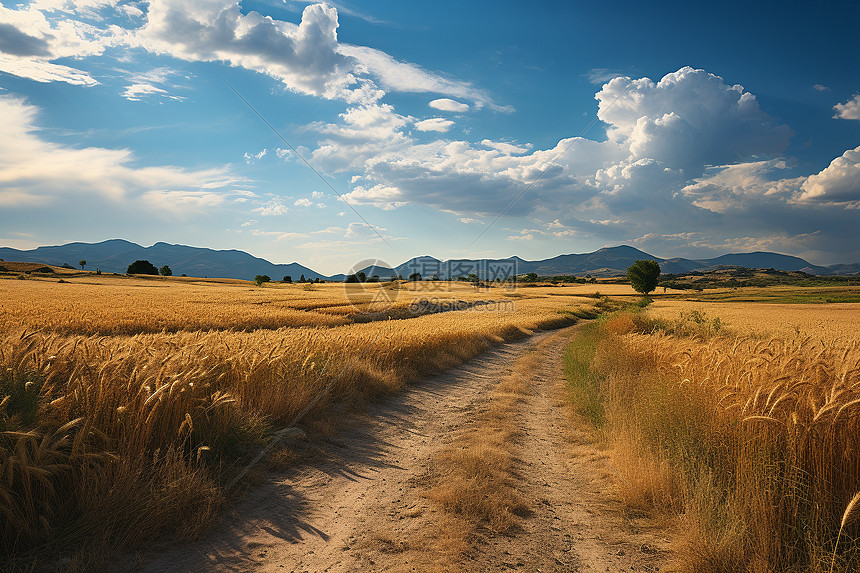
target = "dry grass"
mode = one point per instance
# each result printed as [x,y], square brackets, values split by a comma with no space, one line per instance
[127,404]
[473,478]
[752,441]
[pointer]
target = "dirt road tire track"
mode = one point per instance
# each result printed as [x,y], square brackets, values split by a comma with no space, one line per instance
[359,506]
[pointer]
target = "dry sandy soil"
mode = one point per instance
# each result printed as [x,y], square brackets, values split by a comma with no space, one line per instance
[360,504]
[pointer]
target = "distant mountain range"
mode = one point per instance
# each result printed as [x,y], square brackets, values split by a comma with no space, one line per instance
[116,254]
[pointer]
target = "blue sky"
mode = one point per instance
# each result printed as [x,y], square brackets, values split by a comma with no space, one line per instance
[450,129]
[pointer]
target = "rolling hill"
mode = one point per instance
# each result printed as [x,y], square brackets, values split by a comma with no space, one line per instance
[116,254]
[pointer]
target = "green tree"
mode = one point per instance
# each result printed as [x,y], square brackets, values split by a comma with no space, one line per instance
[83,263]
[361,276]
[302,279]
[260,279]
[531,277]
[141,267]
[288,279]
[415,277]
[643,276]
[165,271]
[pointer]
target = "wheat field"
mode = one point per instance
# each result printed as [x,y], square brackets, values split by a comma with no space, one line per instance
[127,404]
[743,420]
[827,321]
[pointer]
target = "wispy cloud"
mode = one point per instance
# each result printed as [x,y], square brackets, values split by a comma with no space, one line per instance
[34,171]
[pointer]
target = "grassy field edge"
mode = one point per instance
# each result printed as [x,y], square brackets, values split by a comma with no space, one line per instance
[753,477]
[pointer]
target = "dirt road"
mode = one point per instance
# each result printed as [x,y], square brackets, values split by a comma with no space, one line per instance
[359,506]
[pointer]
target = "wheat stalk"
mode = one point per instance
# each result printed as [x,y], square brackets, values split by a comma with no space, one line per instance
[846,517]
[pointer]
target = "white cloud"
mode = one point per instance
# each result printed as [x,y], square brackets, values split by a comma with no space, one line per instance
[29,43]
[136,92]
[353,231]
[273,207]
[364,131]
[660,136]
[507,148]
[848,110]
[599,76]
[386,198]
[561,230]
[306,57]
[362,231]
[687,151]
[732,187]
[738,188]
[250,158]
[88,8]
[820,88]
[333,230]
[838,183]
[303,57]
[687,120]
[279,235]
[526,235]
[470,220]
[303,202]
[434,124]
[181,202]
[446,104]
[406,77]
[704,245]
[145,84]
[42,71]
[34,171]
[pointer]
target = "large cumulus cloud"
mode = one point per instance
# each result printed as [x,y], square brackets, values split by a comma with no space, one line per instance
[660,135]
[838,183]
[689,151]
[688,119]
[306,57]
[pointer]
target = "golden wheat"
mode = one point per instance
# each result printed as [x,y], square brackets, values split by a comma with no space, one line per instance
[125,404]
[764,434]
[821,321]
